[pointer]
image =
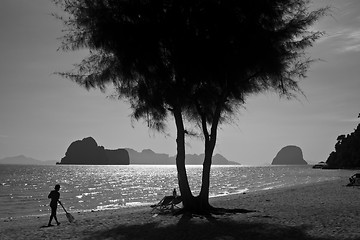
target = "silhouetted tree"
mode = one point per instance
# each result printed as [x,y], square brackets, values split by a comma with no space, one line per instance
[198,60]
[347,151]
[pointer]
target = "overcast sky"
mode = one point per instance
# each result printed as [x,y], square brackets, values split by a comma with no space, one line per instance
[41,113]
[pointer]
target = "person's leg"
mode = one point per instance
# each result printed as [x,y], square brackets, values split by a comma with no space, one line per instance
[57,222]
[53,213]
[51,217]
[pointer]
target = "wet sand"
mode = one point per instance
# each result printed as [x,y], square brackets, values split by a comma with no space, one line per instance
[326,210]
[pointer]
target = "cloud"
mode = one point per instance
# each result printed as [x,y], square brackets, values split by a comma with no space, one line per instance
[351,41]
[341,26]
[345,40]
[353,48]
[332,36]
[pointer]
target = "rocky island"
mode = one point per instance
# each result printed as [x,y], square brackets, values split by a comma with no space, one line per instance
[147,156]
[289,155]
[87,151]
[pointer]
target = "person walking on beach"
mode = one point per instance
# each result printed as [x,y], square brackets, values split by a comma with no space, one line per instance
[55,196]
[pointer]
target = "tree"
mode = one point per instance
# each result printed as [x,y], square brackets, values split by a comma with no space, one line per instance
[195,60]
[347,151]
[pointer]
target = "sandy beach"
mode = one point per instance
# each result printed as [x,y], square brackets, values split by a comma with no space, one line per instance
[326,210]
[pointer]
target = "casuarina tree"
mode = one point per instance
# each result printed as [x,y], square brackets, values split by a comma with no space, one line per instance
[197,61]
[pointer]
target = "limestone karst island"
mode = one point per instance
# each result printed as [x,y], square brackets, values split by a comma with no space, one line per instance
[88,152]
[289,155]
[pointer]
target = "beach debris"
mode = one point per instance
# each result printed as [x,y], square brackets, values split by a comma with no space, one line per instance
[9,219]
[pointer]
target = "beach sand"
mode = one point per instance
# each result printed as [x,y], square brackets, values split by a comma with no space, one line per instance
[326,210]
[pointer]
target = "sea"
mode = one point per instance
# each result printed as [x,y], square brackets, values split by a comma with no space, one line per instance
[24,188]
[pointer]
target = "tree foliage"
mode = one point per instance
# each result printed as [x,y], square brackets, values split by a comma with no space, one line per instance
[203,49]
[347,151]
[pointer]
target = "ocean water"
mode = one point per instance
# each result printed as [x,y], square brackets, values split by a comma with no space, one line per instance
[24,189]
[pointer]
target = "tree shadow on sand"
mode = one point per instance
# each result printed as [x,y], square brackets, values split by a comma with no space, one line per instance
[211,212]
[209,228]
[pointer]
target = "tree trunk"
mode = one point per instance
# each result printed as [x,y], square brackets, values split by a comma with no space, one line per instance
[199,204]
[210,142]
[184,187]
[205,186]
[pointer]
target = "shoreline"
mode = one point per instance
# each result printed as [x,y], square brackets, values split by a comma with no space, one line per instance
[147,204]
[322,210]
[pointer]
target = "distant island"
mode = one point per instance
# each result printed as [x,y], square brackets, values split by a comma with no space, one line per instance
[23,160]
[289,155]
[347,151]
[148,156]
[87,151]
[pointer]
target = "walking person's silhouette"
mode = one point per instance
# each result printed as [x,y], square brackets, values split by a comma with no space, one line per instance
[55,196]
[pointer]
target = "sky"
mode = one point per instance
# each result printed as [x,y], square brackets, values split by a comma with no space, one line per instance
[42,113]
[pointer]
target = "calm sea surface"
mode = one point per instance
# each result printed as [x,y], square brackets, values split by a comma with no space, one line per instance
[24,189]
